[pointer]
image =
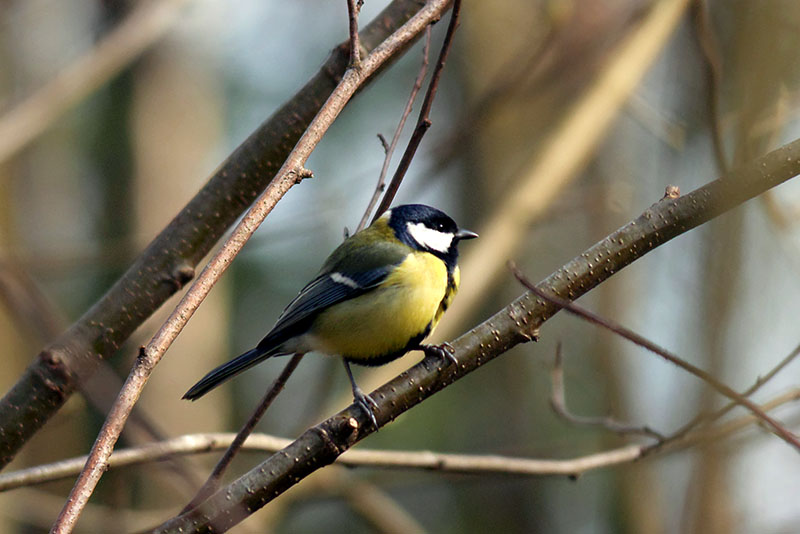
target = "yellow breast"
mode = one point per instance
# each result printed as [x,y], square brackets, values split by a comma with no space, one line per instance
[381,323]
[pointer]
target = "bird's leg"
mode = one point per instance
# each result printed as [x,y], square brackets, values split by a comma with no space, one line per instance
[359,397]
[445,351]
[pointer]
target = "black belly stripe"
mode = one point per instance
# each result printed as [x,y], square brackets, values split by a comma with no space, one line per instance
[381,359]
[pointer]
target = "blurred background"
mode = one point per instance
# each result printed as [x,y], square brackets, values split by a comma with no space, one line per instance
[525,104]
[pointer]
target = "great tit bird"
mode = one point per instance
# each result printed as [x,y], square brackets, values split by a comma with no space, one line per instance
[377,296]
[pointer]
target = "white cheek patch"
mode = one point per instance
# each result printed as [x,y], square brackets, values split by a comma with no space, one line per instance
[430,238]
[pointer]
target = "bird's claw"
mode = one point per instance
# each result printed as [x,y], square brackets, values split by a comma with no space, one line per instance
[364,401]
[445,351]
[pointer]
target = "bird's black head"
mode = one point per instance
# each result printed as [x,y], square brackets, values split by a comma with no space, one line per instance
[425,228]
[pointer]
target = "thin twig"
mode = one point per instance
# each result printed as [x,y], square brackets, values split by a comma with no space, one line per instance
[573,308]
[212,484]
[290,173]
[353,8]
[192,444]
[143,27]
[559,404]
[707,418]
[424,121]
[389,148]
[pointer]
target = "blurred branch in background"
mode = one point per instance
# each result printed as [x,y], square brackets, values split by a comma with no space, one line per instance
[141,29]
[33,310]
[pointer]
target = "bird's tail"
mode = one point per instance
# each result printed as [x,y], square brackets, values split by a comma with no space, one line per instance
[226,371]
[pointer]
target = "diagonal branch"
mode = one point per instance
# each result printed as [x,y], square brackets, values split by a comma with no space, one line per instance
[708,418]
[389,147]
[516,323]
[141,29]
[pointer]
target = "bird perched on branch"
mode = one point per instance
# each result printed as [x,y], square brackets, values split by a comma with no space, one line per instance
[377,296]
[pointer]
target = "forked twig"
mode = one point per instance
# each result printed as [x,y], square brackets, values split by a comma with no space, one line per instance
[573,308]
[353,8]
[705,419]
[558,402]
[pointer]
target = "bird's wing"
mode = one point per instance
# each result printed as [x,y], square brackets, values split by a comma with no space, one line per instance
[327,290]
[348,273]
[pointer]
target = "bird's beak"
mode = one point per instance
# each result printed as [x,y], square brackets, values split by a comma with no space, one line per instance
[465,234]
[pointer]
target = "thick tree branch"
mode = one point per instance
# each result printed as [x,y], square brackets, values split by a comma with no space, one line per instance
[169,261]
[516,323]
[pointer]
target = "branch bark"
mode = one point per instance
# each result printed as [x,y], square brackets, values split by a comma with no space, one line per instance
[516,323]
[169,261]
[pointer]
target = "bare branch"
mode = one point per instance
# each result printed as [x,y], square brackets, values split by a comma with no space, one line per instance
[707,418]
[630,335]
[424,121]
[389,148]
[353,8]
